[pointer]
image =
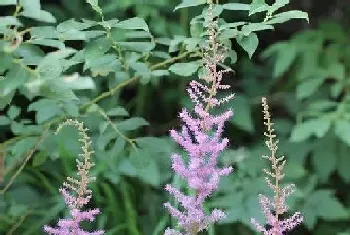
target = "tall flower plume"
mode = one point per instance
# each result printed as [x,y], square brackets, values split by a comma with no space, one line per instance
[274,208]
[75,191]
[200,137]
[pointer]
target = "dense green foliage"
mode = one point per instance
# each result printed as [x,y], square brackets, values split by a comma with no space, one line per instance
[122,67]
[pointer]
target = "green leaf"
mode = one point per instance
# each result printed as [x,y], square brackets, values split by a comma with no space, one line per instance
[7,21]
[14,78]
[32,54]
[295,170]
[139,158]
[22,146]
[249,43]
[46,16]
[137,46]
[126,168]
[117,148]
[13,112]
[253,27]
[147,168]
[45,109]
[227,34]
[258,6]
[286,54]
[39,159]
[31,8]
[105,63]
[8,2]
[95,6]
[184,69]
[156,145]
[306,88]
[336,70]
[106,135]
[57,89]
[342,128]
[322,106]
[97,49]
[236,7]
[118,112]
[303,131]
[323,204]
[5,100]
[132,124]
[4,121]
[141,69]
[73,34]
[190,3]
[108,24]
[133,23]
[286,16]
[76,82]
[323,159]
[128,35]
[243,114]
[44,32]
[191,43]
[160,73]
[49,43]
[232,55]
[150,173]
[71,24]
[175,43]
[16,210]
[71,109]
[328,206]
[50,68]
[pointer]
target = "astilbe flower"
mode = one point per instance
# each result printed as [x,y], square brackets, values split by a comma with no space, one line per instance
[274,208]
[201,138]
[75,191]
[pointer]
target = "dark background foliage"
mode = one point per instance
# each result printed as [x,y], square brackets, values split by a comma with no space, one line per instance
[303,68]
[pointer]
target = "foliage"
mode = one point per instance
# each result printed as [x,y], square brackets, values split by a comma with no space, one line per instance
[122,68]
[317,68]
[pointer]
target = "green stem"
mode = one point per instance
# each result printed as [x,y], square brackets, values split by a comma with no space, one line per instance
[115,128]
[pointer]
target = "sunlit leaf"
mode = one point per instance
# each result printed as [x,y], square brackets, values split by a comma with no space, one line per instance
[184,69]
[190,3]
[249,43]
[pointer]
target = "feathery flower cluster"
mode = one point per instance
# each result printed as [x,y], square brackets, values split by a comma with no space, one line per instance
[76,192]
[214,54]
[201,138]
[274,208]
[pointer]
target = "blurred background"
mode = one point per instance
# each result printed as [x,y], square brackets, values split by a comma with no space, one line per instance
[302,68]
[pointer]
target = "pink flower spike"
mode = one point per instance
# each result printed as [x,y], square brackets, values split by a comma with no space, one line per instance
[75,192]
[201,138]
[275,207]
